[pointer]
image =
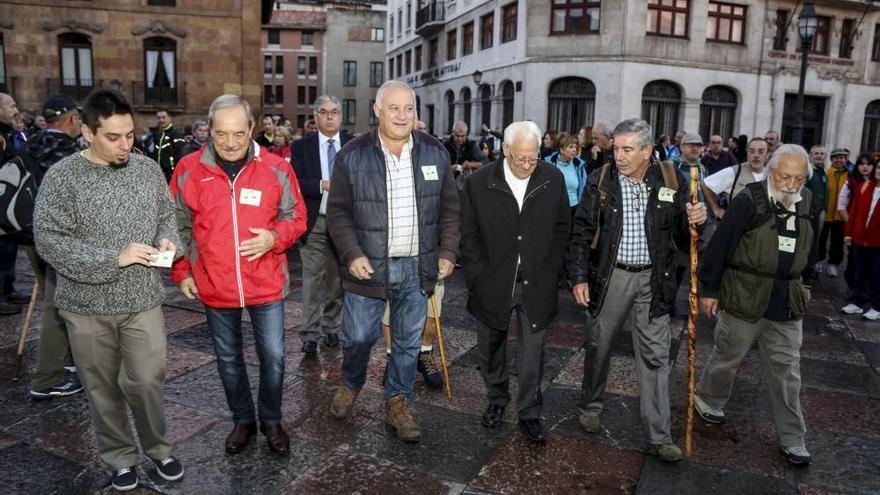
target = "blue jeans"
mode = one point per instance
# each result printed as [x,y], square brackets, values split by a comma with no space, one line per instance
[361,328]
[267,321]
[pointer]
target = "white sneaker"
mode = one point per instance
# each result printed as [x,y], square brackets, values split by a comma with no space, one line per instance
[820,267]
[872,314]
[852,309]
[832,271]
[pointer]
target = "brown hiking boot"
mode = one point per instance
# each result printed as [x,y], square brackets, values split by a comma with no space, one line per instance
[397,416]
[342,402]
[666,452]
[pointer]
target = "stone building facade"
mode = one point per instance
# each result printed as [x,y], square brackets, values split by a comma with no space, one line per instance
[314,47]
[728,67]
[176,55]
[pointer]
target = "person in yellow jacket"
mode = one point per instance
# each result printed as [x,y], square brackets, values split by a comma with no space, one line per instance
[834,221]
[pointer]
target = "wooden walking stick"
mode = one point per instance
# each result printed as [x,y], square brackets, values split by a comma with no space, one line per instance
[692,320]
[24,331]
[440,345]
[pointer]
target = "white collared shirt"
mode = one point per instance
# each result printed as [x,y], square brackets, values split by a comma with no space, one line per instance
[517,186]
[325,166]
[403,221]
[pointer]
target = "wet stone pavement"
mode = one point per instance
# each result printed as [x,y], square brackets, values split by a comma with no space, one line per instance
[49,447]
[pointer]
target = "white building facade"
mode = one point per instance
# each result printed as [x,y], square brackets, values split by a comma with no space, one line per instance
[713,67]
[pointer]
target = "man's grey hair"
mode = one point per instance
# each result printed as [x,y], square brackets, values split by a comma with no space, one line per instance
[229,101]
[790,149]
[641,128]
[604,130]
[199,124]
[816,147]
[525,129]
[393,83]
[324,99]
[460,126]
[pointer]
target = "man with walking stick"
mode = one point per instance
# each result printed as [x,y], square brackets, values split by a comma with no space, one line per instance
[754,272]
[621,263]
[514,234]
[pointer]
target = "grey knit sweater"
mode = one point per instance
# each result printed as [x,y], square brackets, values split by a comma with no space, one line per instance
[85,214]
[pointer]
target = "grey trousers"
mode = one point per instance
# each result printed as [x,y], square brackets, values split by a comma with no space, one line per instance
[630,294]
[322,285]
[779,344]
[121,361]
[492,345]
[53,351]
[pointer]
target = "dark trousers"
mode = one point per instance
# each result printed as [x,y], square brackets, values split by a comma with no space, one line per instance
[492,344]
[8,253]
[866,273]
[834,230]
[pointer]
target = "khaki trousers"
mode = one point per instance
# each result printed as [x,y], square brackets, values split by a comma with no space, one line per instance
[53,351]
[121,361]
[322,285]
[779,343]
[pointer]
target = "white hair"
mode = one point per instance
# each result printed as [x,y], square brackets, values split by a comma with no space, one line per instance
[229,101]
[790,149]
[395,84]
[523,129]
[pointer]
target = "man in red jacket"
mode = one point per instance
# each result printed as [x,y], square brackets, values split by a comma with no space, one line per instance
[238,209]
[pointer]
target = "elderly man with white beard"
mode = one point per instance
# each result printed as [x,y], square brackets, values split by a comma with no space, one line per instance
[754,271]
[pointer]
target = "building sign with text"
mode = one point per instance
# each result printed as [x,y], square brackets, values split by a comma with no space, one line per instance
[434,73]
[813,59]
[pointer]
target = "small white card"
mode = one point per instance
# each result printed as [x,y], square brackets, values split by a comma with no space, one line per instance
[786,244]
[430,172]
[250,197]
[163,259]
[666,194]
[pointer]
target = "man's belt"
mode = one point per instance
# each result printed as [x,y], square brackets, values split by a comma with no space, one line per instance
[633,268]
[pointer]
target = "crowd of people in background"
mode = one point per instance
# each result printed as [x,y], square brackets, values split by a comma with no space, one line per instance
[604,212]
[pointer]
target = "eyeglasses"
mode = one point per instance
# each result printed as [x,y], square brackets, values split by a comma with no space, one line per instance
[325,113]
[520,160]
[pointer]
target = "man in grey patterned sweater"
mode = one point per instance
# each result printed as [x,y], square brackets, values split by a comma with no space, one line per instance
[102,218]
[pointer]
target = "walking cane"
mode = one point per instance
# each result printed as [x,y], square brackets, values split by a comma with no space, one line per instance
[442,349]
[24,331]
[692,320]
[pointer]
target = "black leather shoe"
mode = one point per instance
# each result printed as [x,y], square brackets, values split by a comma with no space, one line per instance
[493,415]
[238,438]
[278,440]
[331,340]
[310,348]
[533,429]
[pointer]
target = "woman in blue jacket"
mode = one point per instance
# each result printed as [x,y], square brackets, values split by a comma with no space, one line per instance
[567,159]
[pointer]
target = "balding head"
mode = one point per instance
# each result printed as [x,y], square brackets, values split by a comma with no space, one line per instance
[8,109]
[459,133]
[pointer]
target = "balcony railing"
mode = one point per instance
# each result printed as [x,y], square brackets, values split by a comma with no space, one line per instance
[158,95]
[77,89]
[431,18]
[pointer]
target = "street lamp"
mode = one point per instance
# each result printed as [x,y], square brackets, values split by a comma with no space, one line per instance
[478,76]
[807,24]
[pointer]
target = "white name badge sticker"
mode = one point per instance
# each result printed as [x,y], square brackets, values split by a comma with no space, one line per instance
[430,172]
[250,197]
[666,194]
[786,244]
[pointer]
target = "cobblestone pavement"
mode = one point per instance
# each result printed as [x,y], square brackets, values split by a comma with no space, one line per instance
[50,447]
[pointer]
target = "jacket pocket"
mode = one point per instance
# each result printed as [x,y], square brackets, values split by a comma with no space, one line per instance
[798,299]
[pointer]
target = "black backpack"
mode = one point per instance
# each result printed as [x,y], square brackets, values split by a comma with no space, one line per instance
[18,193]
